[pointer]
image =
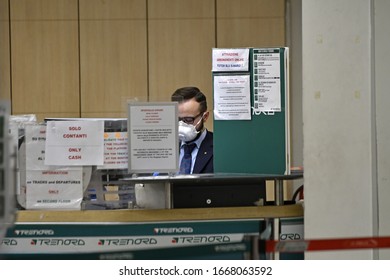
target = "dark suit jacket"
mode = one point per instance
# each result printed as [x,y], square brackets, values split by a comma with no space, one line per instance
[204,162]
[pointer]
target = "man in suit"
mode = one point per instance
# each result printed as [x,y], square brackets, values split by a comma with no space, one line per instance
[196,142]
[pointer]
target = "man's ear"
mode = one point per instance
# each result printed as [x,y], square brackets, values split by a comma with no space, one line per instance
[206,116]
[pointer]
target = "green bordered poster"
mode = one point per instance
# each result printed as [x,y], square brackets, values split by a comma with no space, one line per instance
[251,117]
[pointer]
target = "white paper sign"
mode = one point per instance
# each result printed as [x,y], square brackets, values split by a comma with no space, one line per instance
[115,151]
[35,139]
[49,186]
[153,137]
[266,80]
[232,97]
[230,60]
[55,189]
[75,142]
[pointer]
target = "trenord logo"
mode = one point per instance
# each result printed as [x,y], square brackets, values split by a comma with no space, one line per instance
[57,242]
[33,232]
[9,242]
[200,239]
[126,241]
[173,230]
[290,236]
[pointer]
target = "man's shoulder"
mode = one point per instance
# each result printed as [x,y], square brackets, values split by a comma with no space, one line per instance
[209,134]
[209,139]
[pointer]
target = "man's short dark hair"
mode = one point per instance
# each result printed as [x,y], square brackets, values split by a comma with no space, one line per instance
[186,93]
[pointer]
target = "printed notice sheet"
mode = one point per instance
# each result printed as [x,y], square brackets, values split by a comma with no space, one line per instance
[232,97]
[153,140]
[115,151]
[55,187]
[266,80]
[75,142]
[230,60]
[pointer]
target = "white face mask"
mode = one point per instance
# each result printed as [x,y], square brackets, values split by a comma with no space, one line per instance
[187,132]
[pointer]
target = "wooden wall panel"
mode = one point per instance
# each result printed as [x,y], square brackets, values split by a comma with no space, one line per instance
[250,23]
[181,37]
[87,58]
[5,82]
[44,49]
[43,10]
[113,56]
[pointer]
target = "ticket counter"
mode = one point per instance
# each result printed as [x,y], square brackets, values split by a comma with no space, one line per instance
[204,232]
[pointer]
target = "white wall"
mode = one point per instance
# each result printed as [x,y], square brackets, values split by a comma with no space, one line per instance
[382,75]
[339,123]
[294,42]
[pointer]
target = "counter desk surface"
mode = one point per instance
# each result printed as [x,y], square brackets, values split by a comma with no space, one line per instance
[216,177]
[160,215]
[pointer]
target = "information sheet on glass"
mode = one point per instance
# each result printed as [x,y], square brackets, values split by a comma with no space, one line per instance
[153,141]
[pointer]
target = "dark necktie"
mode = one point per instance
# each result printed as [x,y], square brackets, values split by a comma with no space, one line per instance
[185,165]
